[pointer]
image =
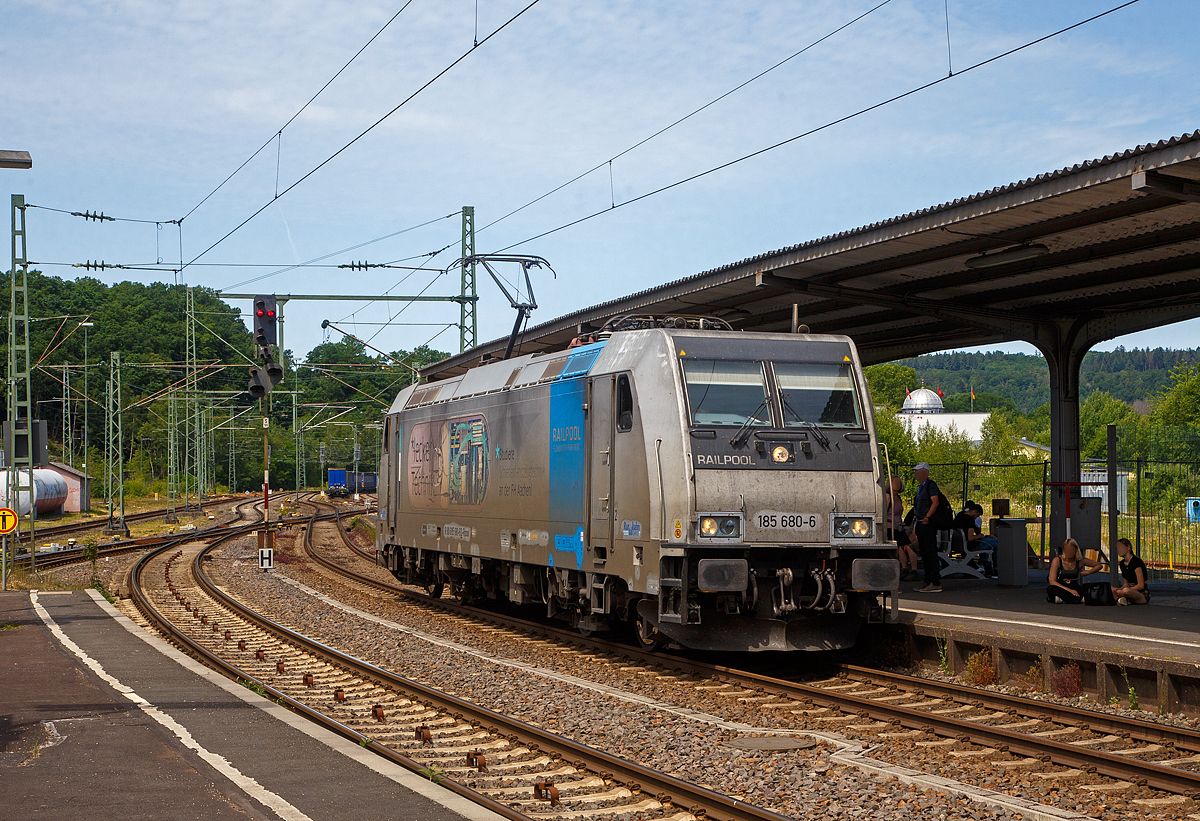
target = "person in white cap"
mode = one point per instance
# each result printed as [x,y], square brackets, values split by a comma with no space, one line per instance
[925,508]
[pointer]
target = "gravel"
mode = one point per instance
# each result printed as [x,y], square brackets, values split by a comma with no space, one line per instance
[797,783]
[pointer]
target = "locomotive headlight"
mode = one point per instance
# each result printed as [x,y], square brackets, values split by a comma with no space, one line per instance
[719,526]
[853,527]
[781,453]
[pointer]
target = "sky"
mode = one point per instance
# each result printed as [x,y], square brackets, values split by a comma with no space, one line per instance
[141,109]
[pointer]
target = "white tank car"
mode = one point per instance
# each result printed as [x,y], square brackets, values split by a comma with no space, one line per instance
[50,491]
[720,490]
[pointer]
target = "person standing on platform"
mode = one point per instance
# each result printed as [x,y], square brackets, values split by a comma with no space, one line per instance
[898,533]
[1066,570]
[926,506]
[1135,590]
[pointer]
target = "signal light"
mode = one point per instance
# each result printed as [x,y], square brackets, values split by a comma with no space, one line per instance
[262,380]
[265,320]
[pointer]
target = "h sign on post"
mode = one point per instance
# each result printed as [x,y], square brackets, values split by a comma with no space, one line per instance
[266,558]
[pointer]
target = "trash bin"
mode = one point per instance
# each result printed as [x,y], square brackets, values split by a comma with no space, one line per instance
[1012,565]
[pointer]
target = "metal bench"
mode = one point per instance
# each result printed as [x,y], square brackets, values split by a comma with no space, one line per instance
[959,563]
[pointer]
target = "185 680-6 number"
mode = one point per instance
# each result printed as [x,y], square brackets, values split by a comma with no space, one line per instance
[774,520]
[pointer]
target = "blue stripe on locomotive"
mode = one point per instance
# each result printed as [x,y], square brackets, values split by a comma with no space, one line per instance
[567,469]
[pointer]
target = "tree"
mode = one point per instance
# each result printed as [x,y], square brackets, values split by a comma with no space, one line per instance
[1098,412]
[901,449]
[890,383]
[984,403]
[1179,402]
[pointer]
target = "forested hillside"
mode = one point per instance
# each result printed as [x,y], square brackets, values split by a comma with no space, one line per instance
[147,325]
[1130,376]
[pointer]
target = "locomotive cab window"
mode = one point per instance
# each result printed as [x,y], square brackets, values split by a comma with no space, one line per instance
[818,393]
[726,392]
[624,404]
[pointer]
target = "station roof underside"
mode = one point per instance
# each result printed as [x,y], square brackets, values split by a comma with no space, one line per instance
[1113,241]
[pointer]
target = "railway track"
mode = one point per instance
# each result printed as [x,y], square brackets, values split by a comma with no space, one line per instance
[93,524]
[515,768]
[1098,753]
[64,558]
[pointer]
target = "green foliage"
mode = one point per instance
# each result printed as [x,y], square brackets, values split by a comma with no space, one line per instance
[1178,403]
[91,552]
[901,449]
[984,402]
[146,323]
[889,383]
[1095,415]
[979,670]
[1127,375]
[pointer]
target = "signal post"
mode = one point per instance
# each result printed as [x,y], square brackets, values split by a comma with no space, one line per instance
[262,381]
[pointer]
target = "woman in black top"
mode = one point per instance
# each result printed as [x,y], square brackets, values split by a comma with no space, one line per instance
[1135,590]
[1066,569]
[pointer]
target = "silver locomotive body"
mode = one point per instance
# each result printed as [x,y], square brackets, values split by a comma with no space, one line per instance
[718,489]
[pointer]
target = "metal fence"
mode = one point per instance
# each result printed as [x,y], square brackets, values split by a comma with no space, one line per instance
[1157,501]
[1023,484]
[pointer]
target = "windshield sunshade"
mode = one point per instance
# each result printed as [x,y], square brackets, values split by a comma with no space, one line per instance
[818,394]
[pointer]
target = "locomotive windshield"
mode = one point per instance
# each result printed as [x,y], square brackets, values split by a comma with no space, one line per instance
[741,393]
[723,392]
[820,393]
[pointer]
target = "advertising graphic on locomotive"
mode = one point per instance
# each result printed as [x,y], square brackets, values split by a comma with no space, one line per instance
[717,489]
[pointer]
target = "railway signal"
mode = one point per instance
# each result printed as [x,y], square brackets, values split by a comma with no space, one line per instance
[263,379]
[266,320]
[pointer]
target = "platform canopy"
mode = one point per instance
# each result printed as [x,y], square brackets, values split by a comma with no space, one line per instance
[1064,260]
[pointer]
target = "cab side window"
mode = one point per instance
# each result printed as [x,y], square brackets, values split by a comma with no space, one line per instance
[624,404]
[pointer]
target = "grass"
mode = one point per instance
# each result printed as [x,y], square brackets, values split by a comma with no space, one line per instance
[8,625]
[21,579]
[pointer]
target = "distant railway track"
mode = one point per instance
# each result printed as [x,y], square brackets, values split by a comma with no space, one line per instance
[63,558]
[518,770]
[97,522]
[1108,752]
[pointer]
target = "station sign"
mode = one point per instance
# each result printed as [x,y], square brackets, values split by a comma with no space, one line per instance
[266,558]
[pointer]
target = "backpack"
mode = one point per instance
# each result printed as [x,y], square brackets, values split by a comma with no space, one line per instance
[942,518]
[1098,595]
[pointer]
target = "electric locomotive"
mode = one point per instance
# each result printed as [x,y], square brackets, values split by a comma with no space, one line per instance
[719,490]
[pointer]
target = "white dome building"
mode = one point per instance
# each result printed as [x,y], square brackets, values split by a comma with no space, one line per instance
[922,401]
[923,408]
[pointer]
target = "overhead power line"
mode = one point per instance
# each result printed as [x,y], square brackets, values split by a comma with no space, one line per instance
[366,131]
[324,257]
[811,131]
[684,118]
[291,119]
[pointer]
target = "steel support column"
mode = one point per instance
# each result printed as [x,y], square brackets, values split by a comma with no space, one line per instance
[467,321]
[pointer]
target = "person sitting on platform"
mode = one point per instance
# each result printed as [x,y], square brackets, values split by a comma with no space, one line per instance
[1066,569]
[898,533]
[1135,590]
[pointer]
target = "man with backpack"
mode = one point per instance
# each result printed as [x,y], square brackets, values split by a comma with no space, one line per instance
[931,513]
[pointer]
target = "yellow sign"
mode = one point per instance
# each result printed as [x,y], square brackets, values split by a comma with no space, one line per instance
[678,528]
[8,520]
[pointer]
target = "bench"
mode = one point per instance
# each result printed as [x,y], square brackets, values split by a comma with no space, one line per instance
[959,562]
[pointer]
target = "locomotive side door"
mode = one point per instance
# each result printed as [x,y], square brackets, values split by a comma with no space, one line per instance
[600,460]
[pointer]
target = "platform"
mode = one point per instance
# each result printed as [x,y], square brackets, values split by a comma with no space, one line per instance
[1156,645]
[96,714]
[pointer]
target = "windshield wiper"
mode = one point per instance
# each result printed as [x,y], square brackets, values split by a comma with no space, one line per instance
[813,429]
[744,431]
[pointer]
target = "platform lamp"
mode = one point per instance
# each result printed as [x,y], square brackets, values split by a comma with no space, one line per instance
[18,160]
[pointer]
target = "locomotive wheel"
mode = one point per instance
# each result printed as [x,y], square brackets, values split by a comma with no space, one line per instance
[434,589]
[647,635]
[462,592]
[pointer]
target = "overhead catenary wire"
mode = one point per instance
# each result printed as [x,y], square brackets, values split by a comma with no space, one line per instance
[324,257]
[279,132]
[366,131]
[683,119]
[817,129]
